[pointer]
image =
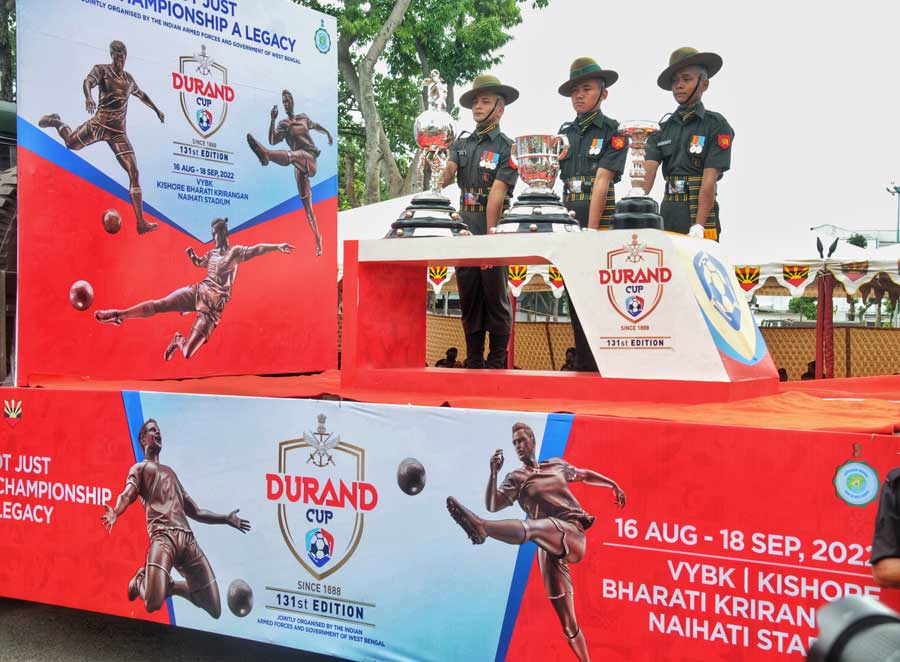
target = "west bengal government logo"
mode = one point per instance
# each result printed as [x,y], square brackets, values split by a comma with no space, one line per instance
[323,39]
[856,483]
[202,84]
[322,498]
[635,278]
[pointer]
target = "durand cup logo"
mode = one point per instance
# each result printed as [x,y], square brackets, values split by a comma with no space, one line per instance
[635,279]
[322,498]
[204,91]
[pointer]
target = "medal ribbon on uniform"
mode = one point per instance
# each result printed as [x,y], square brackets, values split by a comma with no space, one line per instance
[697,143]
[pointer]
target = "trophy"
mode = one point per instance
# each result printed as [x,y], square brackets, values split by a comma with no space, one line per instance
[637,210]
[538,208]
[537,159]
[638,132]
[430,213]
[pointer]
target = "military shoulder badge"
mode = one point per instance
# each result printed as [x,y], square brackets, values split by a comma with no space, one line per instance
[617,142]
[724,141]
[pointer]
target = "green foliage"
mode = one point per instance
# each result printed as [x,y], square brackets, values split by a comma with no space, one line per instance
[805,305]
[858,240]
[8,50]
[459,38]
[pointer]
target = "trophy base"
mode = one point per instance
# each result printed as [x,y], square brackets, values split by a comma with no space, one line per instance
[431,198]
[429,214]
[638,212]
[538,210]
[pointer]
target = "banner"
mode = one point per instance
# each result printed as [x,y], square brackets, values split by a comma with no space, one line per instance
[162,145]
[347,529]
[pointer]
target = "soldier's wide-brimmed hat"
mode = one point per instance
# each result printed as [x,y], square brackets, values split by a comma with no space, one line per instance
[685,57]
[488,84]
[585,68]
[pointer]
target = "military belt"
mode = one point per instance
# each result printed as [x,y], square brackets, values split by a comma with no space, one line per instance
[474,198]
[686,189]
[578,189]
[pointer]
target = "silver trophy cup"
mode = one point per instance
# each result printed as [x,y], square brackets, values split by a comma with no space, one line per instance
[537,158]
[434,131]
[430,213]
[638,132]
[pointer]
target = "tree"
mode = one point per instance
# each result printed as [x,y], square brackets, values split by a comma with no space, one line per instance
[806,306]
[7,50]
[385,48]
[858,240]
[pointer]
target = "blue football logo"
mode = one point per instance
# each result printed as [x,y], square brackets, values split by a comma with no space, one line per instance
[319,545]
[204,119]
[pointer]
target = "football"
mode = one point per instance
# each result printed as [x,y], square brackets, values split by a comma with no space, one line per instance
[319,550]
[112,221]
[240,598]
[81,295]
[411,476]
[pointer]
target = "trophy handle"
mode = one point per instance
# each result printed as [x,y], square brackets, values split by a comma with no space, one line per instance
[561,143]
[513,150]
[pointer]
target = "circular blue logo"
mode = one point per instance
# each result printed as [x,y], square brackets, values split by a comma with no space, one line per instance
[323,39]
[717,286]
[856,483]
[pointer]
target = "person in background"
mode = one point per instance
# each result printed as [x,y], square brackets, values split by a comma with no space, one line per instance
[450,360]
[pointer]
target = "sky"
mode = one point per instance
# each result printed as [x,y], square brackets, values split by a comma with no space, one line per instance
[811,91]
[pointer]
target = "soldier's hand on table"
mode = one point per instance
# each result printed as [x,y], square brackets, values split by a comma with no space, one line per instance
[696,231]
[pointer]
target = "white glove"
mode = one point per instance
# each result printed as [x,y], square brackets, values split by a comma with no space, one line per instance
[696,231]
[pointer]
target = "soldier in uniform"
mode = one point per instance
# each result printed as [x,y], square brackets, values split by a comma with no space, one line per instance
[107,124]
[885,558]
[556,521]
[480,163]
[207,298]
[172,544]
[693,145]
[302,153]
[593,164]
